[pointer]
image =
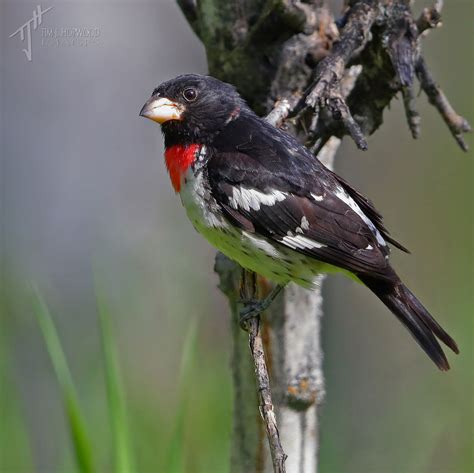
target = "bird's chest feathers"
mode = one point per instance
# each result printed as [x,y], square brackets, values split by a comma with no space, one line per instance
[179,159]
[200,205]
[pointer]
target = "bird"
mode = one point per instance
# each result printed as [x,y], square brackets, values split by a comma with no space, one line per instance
[265,201]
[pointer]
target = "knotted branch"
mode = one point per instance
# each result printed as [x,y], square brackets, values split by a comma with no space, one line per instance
[385,39]
[325,91]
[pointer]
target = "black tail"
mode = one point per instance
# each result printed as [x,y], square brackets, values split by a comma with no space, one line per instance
[411,313]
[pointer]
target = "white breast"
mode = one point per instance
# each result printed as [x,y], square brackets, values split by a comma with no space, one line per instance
[201,207]
[256,253]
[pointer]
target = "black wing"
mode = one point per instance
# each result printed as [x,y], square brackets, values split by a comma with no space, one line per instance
[268,184]
[370,211]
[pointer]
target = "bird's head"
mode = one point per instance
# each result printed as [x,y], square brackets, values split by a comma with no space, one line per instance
[192,108]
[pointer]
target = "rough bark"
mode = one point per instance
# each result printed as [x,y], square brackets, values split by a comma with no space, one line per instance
[321,78]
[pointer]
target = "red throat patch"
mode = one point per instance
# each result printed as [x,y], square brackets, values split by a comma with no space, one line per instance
[178,159]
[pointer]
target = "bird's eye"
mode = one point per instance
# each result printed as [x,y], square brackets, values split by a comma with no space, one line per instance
[190,94]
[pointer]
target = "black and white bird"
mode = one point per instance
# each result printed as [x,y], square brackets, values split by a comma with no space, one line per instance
[265,201]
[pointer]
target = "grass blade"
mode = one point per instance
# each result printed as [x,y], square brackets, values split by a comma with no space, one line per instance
[176,450]
[15,449]
[80,438]
[123,457]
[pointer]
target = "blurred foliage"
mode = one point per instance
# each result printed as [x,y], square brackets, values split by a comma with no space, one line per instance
[197,441]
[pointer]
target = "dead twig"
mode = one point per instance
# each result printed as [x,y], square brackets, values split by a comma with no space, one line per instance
[395,42]
[248,291]
[279,113]
[411,113]
[456,123]
[430,17]
[316,143]
[325,91]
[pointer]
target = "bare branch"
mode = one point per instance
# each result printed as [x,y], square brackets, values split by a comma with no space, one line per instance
[317,143]
[456,123]
[340,111]
[248,291]
[279,113]
[413,117]
[430,17]
[354,36]
[325,90]
[391,60]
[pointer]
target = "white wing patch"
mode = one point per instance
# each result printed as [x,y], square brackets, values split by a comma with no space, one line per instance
[304,225]
[262,245]
[346,198]
[251,199]
[300,242]
[317,197]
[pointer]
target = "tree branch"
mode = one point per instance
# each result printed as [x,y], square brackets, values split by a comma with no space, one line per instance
[456,123]
[430,17]
[248,291]
[383,36]
[279,113]
[325,90]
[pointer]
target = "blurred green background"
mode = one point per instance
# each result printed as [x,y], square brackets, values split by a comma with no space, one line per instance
[87,208]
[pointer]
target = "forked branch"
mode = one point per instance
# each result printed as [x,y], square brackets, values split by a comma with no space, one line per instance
[385,39]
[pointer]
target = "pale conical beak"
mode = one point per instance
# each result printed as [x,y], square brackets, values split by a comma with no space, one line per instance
[161,110]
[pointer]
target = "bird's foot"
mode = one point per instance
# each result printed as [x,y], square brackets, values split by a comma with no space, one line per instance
[253,308]
[249,310]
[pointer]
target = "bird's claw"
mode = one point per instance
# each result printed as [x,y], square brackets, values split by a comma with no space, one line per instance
[250,310]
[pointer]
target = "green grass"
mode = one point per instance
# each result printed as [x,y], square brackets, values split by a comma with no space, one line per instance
[79,436]
[81,441]
[14,445]
[175,460]
[123,454]
[183,425]
[193,436]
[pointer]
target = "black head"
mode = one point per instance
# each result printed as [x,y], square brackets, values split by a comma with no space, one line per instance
[193,108]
